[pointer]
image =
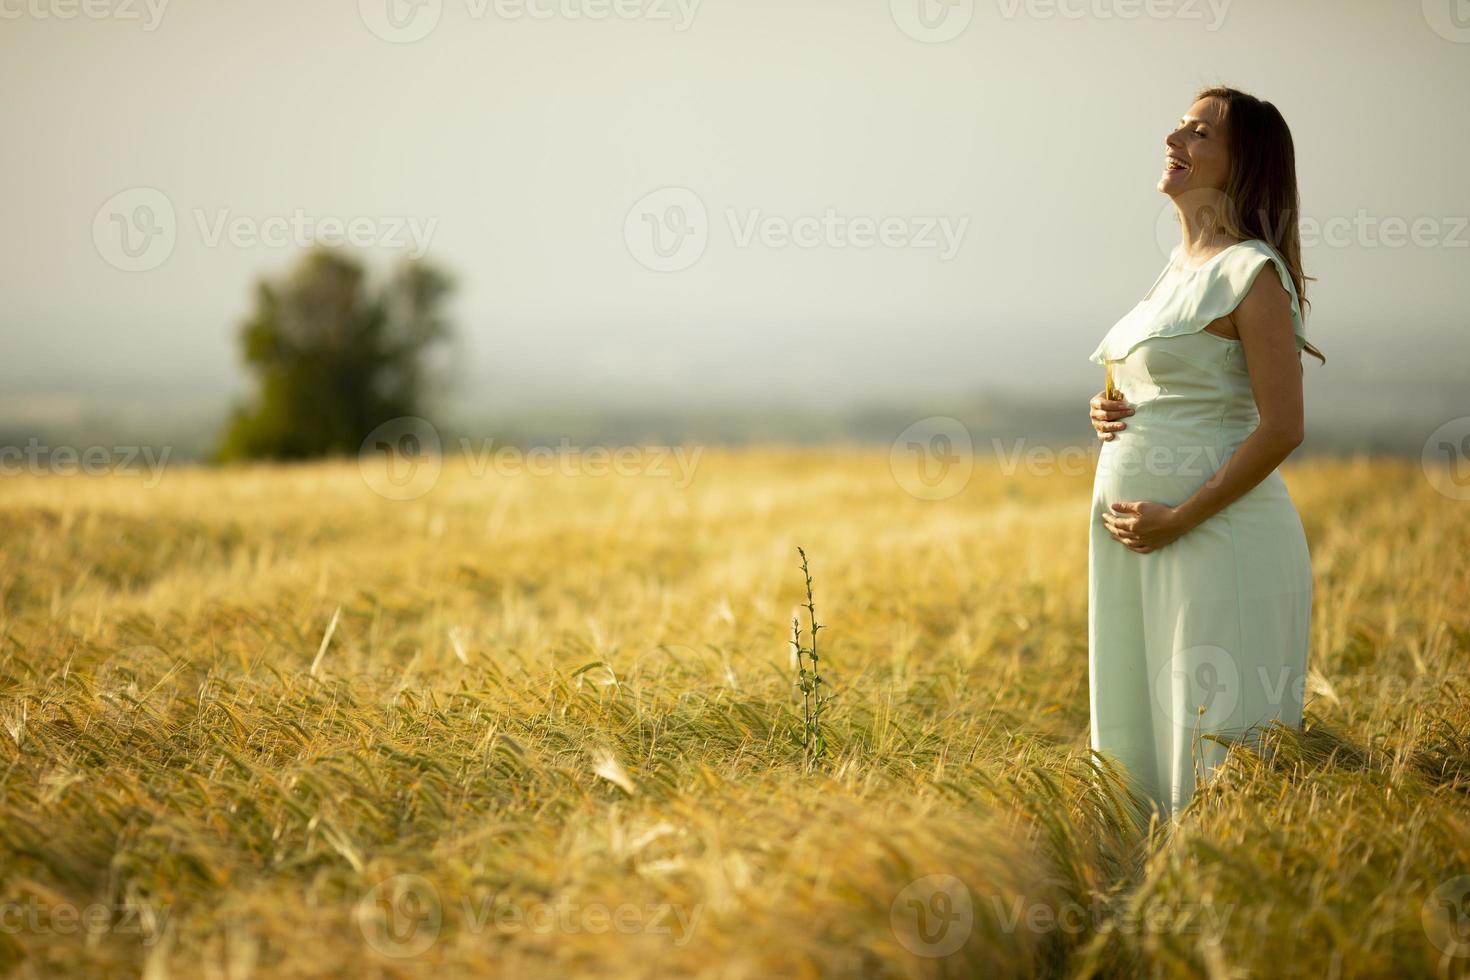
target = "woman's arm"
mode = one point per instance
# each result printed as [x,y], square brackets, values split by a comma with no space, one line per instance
[1263,320]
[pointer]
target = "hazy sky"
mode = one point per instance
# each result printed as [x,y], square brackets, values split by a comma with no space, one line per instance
[517,139]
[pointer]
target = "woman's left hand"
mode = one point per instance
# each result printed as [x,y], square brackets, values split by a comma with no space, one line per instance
[1142,525]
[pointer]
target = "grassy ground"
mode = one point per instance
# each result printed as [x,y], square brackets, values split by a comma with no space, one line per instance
[552,729]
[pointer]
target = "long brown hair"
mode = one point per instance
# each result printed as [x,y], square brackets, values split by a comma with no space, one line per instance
[1261,189]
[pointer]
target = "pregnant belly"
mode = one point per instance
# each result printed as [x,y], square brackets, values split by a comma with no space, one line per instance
[1162,463]
[1167,464]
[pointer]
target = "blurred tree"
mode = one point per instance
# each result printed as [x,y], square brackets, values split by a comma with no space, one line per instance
[334,360]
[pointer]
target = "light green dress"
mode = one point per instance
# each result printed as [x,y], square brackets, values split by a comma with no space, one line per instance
[1207,635]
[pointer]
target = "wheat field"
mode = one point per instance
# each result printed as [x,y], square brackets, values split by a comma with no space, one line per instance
[266,722]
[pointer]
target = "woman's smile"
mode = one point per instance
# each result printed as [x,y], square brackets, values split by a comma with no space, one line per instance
[1195,152]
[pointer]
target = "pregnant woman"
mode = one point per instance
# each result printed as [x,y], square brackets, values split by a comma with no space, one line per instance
[1199,580]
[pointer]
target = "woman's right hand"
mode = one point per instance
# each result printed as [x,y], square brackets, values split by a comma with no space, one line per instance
[1105,412]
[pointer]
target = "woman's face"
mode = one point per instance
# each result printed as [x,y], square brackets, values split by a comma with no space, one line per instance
[1195,157]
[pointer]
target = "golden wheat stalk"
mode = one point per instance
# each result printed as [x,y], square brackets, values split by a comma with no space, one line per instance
[1110,389]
